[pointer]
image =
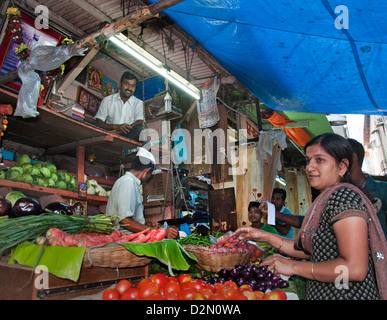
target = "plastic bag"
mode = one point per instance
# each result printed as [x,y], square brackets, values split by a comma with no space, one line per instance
[44,58]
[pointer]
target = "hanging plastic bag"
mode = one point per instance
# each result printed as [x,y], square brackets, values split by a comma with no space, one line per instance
[44,58]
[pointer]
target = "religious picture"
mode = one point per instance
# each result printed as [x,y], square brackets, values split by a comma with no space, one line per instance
[109,86]
[95,79]
[88,100]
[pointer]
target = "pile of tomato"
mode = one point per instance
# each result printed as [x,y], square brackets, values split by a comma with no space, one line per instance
[184,287]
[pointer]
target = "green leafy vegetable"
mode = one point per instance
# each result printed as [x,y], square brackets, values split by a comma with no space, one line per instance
[168,252]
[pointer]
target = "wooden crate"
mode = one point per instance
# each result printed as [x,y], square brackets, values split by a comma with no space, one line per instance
[18,282]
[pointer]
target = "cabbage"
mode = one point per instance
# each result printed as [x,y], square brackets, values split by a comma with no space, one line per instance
[24,159]
[51,167]
[54,177]
[67,177]
[61,175]
[13,196]
[26,178]
[40,181]
[61,185]
[45,172]
[2,174]
[51,183]
[26,167]
[39,164]
[13,175]
[16,168]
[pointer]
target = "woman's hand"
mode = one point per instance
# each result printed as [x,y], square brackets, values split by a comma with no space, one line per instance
[249,233]
[279,265]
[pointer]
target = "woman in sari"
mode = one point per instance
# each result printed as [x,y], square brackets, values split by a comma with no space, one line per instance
[340,247]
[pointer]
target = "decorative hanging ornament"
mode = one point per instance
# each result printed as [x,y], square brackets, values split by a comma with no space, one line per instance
[4,126]
[91,158]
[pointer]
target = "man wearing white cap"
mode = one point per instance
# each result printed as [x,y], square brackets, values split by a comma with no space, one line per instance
[125,198]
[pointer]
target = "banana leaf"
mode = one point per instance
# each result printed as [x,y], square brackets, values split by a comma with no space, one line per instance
[63,262]
[168,252]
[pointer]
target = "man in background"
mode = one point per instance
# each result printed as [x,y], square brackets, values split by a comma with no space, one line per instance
[378,189]
[122,111]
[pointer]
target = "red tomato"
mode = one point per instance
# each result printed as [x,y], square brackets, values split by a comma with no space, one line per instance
[187,294]
[230,292]
[156,296]
[245,287]
[171,296]
[230,283]
[143,282]
[172,286]
[196,284]
[238,296]
[259,294]
[160,279]
[130,294]
[184,278]
[123,285]
[111,294]
[173,278]
[274,295]
[210,287]
[250,295]
[206,293]
[217,296]
[282,294]
[148,290]
[198,296]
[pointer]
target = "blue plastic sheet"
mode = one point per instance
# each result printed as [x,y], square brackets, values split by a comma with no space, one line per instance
[291,55]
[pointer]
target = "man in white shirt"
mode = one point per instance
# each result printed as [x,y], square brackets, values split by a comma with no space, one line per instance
[125,199]
[122,111]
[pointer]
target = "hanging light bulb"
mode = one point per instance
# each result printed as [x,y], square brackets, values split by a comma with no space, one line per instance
[168,102]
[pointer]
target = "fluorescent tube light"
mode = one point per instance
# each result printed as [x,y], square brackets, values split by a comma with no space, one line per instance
[156,65]
[280,180]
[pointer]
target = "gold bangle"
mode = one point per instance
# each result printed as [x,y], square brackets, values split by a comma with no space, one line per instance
[282,242]
[313,271]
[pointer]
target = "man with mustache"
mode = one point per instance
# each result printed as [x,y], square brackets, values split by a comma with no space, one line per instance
[122,111]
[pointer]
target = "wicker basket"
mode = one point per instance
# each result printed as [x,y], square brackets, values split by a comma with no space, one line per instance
[113,257]
[213,262]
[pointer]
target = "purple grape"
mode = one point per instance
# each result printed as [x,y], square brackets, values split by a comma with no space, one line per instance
[260,275]
[269,274]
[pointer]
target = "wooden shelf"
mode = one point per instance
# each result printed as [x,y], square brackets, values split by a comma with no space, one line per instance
[57,132]
[38,191]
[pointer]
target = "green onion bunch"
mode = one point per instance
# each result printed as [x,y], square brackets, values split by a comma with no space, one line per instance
[29,228]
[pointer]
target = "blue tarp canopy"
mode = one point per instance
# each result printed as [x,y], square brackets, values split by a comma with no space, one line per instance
[290,53]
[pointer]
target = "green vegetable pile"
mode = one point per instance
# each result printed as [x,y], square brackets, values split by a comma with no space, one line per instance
[197,239]
[45,174]
[41,173]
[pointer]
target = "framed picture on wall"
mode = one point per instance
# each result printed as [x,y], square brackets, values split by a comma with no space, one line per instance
[95,79]
[109,86]
[88,100]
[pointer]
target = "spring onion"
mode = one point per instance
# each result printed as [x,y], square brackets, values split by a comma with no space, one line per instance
[29,228]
